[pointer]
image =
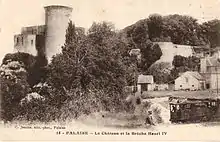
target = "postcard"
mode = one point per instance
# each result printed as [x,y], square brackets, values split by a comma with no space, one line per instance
[107,70]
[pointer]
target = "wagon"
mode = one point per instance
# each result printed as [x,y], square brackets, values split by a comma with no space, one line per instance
[192,110]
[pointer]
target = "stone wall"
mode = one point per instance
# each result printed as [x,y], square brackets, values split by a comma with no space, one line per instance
[169,50]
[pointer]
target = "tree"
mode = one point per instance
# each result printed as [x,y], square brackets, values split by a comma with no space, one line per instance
[160,72]
[182,64]
[182,30]
[175,28]
[211,30]
[14,86]
[24,58]
[179,61]
[150,53]
[37,73]
[70,33]
[191,62]
[99,32]
[155,23]
[93,63]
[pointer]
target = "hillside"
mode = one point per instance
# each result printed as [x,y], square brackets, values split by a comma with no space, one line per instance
[175,34]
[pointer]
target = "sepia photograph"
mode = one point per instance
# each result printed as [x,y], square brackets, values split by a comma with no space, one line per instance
[107,70]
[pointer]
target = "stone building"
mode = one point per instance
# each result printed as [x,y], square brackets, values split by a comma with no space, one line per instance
[210,69]
[145,83]
[191,81]
[30,40]
[49,37]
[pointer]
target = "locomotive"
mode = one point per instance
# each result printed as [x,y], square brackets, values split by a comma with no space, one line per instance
[192,110]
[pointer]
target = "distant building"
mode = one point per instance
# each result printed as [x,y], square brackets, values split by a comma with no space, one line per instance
[161,87]
[145,83]
[190,80]
[30,40]
[210,69]
[49,37]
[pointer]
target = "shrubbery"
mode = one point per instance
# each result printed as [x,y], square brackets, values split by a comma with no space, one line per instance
[14,87]
[88,76]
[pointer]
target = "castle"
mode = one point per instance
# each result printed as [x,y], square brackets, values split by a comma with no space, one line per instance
[47,38]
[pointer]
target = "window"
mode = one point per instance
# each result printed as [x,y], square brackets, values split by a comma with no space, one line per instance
[17,40]
[180,85]
[207,86]
[192,85]
[173,108]
[32,42]
[209,104]
[213,103]
[177,107]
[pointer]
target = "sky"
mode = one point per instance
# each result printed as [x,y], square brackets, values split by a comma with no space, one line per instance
[15,14]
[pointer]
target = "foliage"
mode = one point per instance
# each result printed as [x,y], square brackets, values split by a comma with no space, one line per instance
[19,71]
[93,62]
[179,61]
[94,67]
[179,29]
[155,23]
[34,65]
[211,30]
[182,30]
[23,58]
[150,53]
[45,108]
[38,70]
[14,87]
[190,62]
[182,64]
[160,72]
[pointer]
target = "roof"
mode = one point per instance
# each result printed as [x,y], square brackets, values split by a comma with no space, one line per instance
[145,79]
[194,74]
[183,100]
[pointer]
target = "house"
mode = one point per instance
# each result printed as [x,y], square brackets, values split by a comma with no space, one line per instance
[145,83]
[161,87]
[190,80]
[210,69]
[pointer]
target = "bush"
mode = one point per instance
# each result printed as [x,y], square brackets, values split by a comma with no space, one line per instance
[14,87]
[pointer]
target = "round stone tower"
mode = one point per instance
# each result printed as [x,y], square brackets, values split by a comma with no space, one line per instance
[56,21]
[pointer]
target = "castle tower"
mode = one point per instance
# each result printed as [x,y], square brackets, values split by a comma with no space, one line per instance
[56,21]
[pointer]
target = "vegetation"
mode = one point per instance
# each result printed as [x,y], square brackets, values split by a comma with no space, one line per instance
[175,28]
[182,64]
[161,72]
[14,87]
[94,67]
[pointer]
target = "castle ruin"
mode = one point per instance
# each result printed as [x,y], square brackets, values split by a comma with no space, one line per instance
[46,38]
